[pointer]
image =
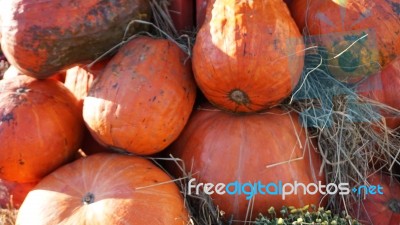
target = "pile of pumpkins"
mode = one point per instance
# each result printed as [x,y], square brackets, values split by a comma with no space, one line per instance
[61,94]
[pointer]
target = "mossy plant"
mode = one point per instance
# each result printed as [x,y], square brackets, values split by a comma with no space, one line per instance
[304,216]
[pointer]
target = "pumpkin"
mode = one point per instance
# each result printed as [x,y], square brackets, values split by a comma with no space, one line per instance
[12,71]
[40,127]
[78,79]
[380,209]
[105,189]
[219,147]
[14,193]
[78,31]
[143,98]
[181,12]
[383,87]
[359,37]
[239,68]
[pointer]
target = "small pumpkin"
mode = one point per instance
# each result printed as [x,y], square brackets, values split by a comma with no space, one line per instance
[78,31]
[248,55]
[218,147]
[78,79]
[12,194]
[380,209]
[40,127]
[105,189]
[143,99]
[359,37]
[383,87]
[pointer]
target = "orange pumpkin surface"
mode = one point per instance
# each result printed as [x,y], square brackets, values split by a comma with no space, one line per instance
[105,189]
[384,88]
[381,209]
[78,79]
[219,147]
[12,71]
[40,127]
[144,97]
[248,55]
[360,36]
[41,38]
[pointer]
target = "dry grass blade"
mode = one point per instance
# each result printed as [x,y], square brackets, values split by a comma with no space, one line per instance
[8,216]
[200,205]
[352,138]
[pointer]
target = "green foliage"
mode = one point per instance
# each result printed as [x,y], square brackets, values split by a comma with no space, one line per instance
[304,216]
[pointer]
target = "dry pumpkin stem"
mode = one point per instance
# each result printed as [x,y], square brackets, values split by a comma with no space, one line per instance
[352,139]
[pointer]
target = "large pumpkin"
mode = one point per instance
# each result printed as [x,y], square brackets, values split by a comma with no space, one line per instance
[40,127]
[384,88]
[105,189]
[142,100]
[360,36]
[248,55]
[380,209]
[43,37]
[12,194]
[219,147]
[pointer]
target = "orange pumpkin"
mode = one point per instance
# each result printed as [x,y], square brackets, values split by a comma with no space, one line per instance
[40,127]
[78,79]
[105,189]
[77,32]
[219,147]
[380,209]
[361,34]
[144,97]
[384,87]
[248,55]
[14,193]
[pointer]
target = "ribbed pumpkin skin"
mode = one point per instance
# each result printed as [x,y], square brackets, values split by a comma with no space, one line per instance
[41,127]
[341,23]
[125,191]
[79,79]
[248,54]
[78,31]
[381,209]
[222,148]
[384,87]
[142,100]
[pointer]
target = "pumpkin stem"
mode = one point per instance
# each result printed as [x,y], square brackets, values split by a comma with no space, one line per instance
[88,198]
[239,97]
[394,205]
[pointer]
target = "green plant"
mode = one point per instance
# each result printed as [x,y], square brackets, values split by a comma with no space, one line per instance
[305,215]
